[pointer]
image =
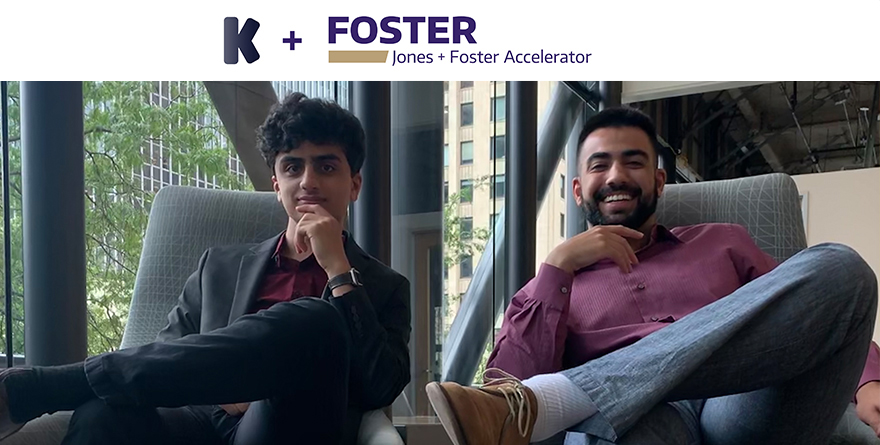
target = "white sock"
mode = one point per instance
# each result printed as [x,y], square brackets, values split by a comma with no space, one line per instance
[561,404]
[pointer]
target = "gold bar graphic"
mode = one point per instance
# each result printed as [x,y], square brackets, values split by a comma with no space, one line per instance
[358,56]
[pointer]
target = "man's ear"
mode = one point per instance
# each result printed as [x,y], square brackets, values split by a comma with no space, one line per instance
[276,188]
[356,183]
[660,177]
[577,189]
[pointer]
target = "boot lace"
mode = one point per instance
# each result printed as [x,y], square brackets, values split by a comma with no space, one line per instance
[515,393]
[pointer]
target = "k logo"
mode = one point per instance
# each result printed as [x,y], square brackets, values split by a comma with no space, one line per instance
[233,40]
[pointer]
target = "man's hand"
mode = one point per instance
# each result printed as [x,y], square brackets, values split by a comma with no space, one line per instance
[320,233]
[868,405]
[235,409]
[598,243]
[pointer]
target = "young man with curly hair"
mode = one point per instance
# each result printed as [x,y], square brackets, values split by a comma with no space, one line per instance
[317,337]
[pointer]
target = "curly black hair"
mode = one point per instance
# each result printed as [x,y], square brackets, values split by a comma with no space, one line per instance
[299,119]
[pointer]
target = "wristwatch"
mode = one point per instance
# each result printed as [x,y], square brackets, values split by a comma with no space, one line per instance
[352,277]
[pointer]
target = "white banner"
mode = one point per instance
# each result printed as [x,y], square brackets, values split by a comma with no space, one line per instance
[348,40]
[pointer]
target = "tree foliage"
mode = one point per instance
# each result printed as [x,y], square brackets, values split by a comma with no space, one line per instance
[459,243]
[127,125]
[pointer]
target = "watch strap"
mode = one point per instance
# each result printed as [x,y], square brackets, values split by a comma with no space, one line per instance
[351,277]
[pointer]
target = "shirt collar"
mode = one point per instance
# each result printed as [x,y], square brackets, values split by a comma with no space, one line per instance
[276,255]
[661,233]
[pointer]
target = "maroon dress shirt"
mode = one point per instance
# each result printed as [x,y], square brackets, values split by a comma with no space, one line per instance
[559,320]
[287,279]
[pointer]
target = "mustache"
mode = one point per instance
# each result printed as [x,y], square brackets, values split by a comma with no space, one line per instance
[604,192]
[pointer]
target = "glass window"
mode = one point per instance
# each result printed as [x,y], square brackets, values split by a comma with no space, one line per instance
[473,202]
[446,155]
[467,228]
[562,225]
[13,120]
[467,267]
[123,169]
[467,114]
[562,186]
[499,110]
[497,147]
[499,187]
[467,191]
[467,152]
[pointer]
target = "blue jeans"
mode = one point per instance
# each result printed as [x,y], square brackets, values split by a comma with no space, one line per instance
[775,362]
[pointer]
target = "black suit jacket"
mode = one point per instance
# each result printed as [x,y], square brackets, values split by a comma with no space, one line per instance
[225,287]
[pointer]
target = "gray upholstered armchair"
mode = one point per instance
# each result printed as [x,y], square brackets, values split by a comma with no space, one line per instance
[184,222]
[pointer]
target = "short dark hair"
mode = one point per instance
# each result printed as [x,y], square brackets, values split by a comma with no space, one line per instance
[299,119]
[620,117]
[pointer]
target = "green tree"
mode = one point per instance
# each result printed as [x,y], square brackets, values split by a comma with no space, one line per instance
[459,244]
[14,206]
[126,124]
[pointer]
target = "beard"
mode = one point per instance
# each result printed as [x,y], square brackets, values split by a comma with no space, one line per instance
[646,205]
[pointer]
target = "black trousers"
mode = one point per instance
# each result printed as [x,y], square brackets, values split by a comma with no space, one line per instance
[291,361]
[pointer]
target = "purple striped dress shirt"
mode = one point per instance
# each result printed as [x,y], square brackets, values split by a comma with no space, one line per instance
[558,321]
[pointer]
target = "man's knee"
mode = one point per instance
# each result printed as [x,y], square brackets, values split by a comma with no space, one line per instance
[845,274]
[845,257]
[841,262]
[325,324]
[330,324]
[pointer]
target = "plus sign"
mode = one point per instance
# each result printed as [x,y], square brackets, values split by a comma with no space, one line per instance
[292,40]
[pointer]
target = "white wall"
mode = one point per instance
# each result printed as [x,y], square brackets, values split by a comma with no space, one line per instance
[844,207]
[639,91]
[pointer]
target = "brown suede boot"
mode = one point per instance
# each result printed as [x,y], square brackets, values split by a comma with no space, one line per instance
[501,412]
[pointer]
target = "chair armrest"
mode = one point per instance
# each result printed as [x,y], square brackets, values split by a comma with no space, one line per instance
[44,430]
[377,429]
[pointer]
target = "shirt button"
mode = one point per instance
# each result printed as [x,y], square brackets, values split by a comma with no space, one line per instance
[564,290]
[641,286]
